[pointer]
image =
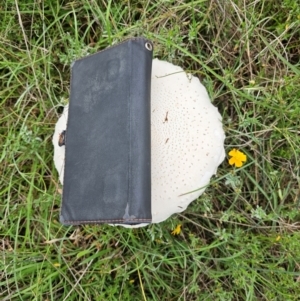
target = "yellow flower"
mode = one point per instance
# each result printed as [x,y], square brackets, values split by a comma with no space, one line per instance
[177,230]
[238,158]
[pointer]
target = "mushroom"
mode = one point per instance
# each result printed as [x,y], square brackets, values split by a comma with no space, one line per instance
[187,140]
[59,151]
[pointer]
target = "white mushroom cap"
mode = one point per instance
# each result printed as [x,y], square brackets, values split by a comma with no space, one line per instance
[59,151]
[187,140]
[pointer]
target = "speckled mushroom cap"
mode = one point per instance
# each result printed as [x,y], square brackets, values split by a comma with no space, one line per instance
[187,140]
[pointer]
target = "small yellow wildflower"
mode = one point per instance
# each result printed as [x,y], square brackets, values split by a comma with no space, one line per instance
[177,230]
[278,238]
[238,158]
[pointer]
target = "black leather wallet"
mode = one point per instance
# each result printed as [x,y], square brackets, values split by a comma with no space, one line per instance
[107,176]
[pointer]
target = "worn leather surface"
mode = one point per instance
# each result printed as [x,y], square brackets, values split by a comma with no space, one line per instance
[107,175]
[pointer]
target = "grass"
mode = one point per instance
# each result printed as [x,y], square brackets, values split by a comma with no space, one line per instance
[240,240]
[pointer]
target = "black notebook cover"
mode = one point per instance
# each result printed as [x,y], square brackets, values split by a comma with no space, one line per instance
[107,175]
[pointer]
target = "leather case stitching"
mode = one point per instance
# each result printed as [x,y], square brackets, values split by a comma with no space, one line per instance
[108,221]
